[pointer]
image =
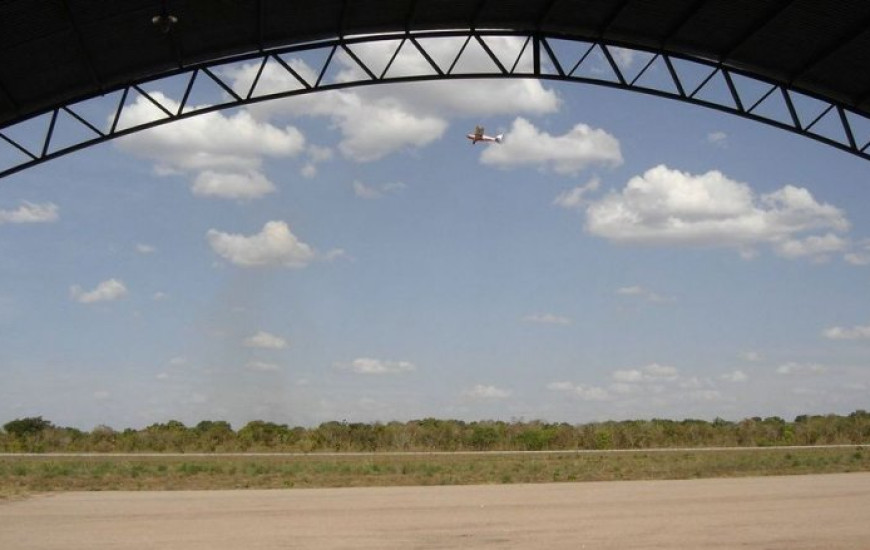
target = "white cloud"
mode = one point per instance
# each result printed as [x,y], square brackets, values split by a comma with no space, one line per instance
[547,319]
[640,292]
[316,155]
[265,340]
[669,207]
[106,291]
[857,332]
[628,376]
[704,395]
[142,248]
[800,369]
[309,170]
[570,153]
[481,391]
[624,57]
[225,152]
[480,97]
[30,212]
[260,366]
[630,290]
[275,245]
[735,376]
[364,191]
[367,365]
[649,373]
[585,393]
[378,122]
[860,255]
[752,356]
[655,370]
[573,199]
[814,246]
[228,185]
[372,130]
[719,139]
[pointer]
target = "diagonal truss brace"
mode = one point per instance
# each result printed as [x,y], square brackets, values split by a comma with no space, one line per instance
[540,56]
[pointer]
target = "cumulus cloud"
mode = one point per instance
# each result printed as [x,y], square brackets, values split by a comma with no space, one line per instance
[275,245]
[584,393]
[106,291]
[480,391]
[265,340]
[30,212]
[371,128]
[752,356]
[377,122]
[735,376]
[815,246]
[232,185]
[857,332]
[654,385]
[860,253]
[547,319]
[364,191]
[669,207]
[574,199]
[316,155]
[650,373]
[224,153]
[368,365]
[569,153]
[260,366]
[801,369]
[719,139]
[640,292]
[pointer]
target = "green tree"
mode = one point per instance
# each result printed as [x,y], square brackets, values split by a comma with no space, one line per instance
[24,427]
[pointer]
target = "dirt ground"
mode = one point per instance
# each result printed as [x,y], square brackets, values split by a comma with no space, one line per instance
[798,512]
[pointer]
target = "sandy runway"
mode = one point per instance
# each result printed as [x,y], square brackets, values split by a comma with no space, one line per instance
[816,511]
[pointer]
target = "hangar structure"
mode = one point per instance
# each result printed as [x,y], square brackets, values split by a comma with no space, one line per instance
[800,65]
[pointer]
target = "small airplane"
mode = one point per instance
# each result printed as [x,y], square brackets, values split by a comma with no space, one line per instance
[478,135]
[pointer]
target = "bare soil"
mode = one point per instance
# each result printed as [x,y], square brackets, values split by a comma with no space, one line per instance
[789,512]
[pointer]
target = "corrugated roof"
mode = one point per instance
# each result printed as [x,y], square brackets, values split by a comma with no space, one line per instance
[53,52]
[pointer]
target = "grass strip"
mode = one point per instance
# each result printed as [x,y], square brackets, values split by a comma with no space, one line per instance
[23,475]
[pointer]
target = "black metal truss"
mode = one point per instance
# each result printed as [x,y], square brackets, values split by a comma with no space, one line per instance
[541,56]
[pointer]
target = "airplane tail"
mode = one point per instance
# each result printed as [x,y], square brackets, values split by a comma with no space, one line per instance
[499,138]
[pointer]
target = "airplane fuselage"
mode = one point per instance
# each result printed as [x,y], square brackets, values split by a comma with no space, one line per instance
[478,137]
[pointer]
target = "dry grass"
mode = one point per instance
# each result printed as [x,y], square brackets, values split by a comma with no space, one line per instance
[22,475]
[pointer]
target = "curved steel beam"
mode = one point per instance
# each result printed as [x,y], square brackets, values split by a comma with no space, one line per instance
[542,56]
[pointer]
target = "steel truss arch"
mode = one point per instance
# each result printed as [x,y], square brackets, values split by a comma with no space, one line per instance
[544,56]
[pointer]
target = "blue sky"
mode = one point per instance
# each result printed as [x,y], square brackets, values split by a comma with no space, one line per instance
[349,255]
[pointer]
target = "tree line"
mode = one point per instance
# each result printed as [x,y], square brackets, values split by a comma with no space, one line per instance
[35,434]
